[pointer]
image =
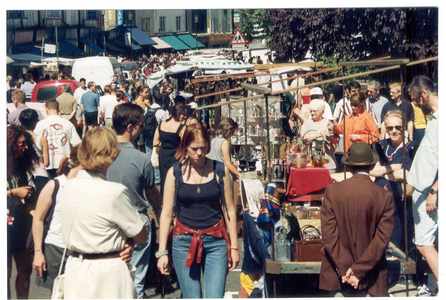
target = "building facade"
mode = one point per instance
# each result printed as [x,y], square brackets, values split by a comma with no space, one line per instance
[75,27]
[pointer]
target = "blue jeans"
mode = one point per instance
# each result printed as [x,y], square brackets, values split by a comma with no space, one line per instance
[140,261]
[156,171]
[214,265]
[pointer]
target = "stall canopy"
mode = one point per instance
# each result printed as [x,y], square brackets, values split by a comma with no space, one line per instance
[140,37]
[175,43]
[190,41]
[160,44]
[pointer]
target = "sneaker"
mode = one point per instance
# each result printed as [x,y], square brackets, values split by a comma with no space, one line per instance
[424,291]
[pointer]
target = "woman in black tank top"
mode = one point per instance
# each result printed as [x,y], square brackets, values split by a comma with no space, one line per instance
[167,142]
[204,235]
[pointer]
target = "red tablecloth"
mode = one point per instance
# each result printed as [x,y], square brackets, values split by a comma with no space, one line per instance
[307,180]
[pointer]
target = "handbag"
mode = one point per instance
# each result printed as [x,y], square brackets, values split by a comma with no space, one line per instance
[59,282]
[154,158]
[309,248]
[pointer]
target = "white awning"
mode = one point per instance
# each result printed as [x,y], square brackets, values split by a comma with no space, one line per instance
[160,44]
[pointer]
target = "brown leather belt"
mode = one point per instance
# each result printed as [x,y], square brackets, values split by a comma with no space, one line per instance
[94,255]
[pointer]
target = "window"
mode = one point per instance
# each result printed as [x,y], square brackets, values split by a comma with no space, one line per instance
[178,23]
[145,24]
[54,14]
[225,21]
[15,14]
[91,15]
[162,24]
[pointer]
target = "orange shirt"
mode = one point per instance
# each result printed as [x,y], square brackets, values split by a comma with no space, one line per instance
[362,125]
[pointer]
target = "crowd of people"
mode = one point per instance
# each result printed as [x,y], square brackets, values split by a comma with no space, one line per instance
[100,180]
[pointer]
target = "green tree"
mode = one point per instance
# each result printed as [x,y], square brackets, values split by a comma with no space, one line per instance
[249,19]
[353,33]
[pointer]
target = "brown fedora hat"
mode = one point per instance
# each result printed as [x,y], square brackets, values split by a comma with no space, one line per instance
[360,154]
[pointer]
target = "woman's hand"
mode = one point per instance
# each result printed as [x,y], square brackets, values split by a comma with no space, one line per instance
[39,263]
[163,265]
[22,192]
[235,256]
[431,203]
[126,253]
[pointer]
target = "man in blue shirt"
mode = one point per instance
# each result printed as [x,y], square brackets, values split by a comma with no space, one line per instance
[90,104]
[133,169]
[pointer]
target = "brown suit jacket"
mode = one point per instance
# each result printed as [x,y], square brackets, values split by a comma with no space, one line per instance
[357,221]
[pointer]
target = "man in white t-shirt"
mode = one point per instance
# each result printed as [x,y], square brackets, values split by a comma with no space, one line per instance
[28,86]
[82,89]
[61,136]
[107,104]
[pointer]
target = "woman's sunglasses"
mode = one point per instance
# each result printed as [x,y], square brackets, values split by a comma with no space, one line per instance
[390,128]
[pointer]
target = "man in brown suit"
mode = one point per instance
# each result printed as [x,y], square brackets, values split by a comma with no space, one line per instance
[357,221]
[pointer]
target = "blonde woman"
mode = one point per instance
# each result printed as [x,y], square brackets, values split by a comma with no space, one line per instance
[97,219]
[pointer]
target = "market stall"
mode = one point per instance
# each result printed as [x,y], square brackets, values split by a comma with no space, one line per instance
[293,190]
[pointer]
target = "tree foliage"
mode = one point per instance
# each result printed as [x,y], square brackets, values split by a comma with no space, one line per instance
[249,18]
[353,33]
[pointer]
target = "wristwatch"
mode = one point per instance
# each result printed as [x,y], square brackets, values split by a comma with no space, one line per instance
[160,253]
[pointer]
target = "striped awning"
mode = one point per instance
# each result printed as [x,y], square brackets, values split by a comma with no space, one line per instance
[160,44]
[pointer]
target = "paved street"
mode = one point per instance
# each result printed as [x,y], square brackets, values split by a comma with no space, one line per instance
[289,285]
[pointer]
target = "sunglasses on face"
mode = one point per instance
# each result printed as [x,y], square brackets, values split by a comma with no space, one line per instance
[390,128]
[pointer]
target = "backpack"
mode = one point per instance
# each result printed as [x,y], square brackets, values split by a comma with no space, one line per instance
[49,215]
[150,125]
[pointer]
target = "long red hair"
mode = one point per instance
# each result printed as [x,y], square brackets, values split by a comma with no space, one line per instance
[192,134]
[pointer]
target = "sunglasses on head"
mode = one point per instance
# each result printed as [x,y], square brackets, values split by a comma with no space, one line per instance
[390,128]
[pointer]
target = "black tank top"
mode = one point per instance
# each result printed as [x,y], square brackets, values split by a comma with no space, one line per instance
[197,205]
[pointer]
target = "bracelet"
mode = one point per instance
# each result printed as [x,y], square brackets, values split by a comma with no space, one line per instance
[235,248]
[160,253]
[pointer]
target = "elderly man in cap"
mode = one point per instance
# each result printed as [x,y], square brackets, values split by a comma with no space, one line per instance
[357,219]
[317,94]
[317,126]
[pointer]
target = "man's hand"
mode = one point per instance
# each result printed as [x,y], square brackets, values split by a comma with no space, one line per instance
[39,263]
[431,202]
[22,192]
[126,253]
[351,279]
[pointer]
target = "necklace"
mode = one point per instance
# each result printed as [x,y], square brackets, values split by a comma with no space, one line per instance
[390,156]
[200,182]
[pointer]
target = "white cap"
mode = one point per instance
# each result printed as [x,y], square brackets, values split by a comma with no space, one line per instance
[316,91]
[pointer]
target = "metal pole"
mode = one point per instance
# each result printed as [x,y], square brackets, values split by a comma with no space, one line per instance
[344,138]
[405,217]
[245,121]
[41,50]
[57,51]
[268,171]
